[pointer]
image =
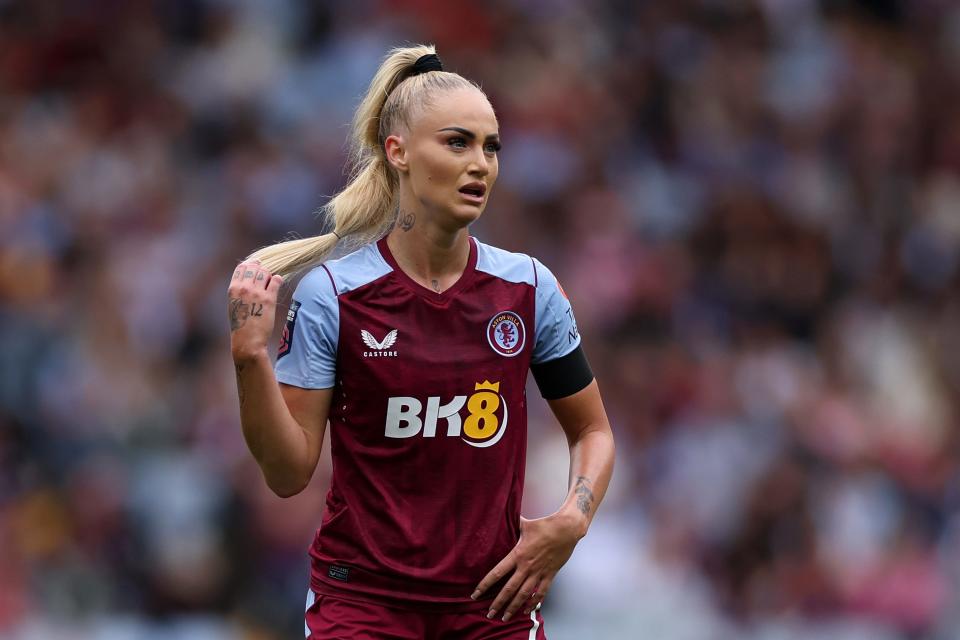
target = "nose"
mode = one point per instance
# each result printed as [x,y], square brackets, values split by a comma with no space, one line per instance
[479,164]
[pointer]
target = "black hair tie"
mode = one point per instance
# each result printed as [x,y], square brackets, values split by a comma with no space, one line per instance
[429,62]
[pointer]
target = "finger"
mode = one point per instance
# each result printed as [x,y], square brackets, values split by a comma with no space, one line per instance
[249,271]
[495,575]
[274,284]
[507,593]
[538,595]
[237,272]
[256,274]
[532,603]
[523,596]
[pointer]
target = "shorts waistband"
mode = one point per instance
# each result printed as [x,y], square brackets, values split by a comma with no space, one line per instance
[348,581]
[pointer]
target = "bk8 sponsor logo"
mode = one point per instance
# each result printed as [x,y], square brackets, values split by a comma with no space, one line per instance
[485,423]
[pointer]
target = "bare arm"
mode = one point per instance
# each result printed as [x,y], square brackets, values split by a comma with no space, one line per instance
[590,438]
[547,543]
[282,425]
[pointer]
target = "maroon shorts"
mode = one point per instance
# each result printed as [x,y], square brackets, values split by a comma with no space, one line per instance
[335,618]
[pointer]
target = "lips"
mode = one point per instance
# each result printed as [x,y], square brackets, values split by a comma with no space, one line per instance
[474,189]
[474,192]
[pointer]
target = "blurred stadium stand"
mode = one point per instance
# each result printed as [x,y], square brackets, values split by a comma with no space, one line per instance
[754,206]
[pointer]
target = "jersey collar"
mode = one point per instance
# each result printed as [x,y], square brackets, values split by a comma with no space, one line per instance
[428,294]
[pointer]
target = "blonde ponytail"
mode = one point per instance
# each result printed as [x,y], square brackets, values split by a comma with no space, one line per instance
[365,209]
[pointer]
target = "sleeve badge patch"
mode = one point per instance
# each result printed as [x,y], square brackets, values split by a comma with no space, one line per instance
[286,338]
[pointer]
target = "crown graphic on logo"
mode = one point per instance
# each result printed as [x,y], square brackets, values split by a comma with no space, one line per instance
[487,385]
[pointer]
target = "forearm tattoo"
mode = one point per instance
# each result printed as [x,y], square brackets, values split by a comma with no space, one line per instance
[406,220]
[584,495]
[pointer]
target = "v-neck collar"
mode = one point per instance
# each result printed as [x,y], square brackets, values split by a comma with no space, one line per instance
[429,294]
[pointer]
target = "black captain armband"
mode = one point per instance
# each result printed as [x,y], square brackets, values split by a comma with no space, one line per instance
[563,376]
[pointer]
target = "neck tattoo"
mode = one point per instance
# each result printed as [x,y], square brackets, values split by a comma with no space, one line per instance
[436,285]
[406,220]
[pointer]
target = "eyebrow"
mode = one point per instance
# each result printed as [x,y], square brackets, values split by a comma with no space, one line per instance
[469,134]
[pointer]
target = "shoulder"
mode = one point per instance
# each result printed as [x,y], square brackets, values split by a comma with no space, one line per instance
[515,267]
[506,265]
[352,271]
[316,284]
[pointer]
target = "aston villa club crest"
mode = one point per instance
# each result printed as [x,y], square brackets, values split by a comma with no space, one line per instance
[506,333]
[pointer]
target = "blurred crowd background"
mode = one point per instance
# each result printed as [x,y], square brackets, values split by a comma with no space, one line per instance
[754,206]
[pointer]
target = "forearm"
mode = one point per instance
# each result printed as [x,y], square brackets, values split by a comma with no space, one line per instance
[277,442]
[591,466]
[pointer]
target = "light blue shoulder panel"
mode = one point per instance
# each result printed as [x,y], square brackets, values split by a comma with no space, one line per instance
[356,269]
[512,267]
[308,351]
[556,327]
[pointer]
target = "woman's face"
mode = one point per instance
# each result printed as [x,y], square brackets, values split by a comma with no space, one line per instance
[449,157]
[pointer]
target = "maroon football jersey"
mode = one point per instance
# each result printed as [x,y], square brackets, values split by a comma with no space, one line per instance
[428,418]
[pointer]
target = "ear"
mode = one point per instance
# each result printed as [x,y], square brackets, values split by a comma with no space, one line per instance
[395,148]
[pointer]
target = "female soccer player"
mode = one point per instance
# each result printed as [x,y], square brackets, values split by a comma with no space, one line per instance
[416,348]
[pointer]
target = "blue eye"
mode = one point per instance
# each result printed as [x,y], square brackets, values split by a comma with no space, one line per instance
[458,142]
[493,147]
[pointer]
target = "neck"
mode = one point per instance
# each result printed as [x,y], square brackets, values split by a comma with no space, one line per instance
[430,255]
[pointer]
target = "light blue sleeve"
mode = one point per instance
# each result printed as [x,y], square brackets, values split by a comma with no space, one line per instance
[308,345]
[556,327]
